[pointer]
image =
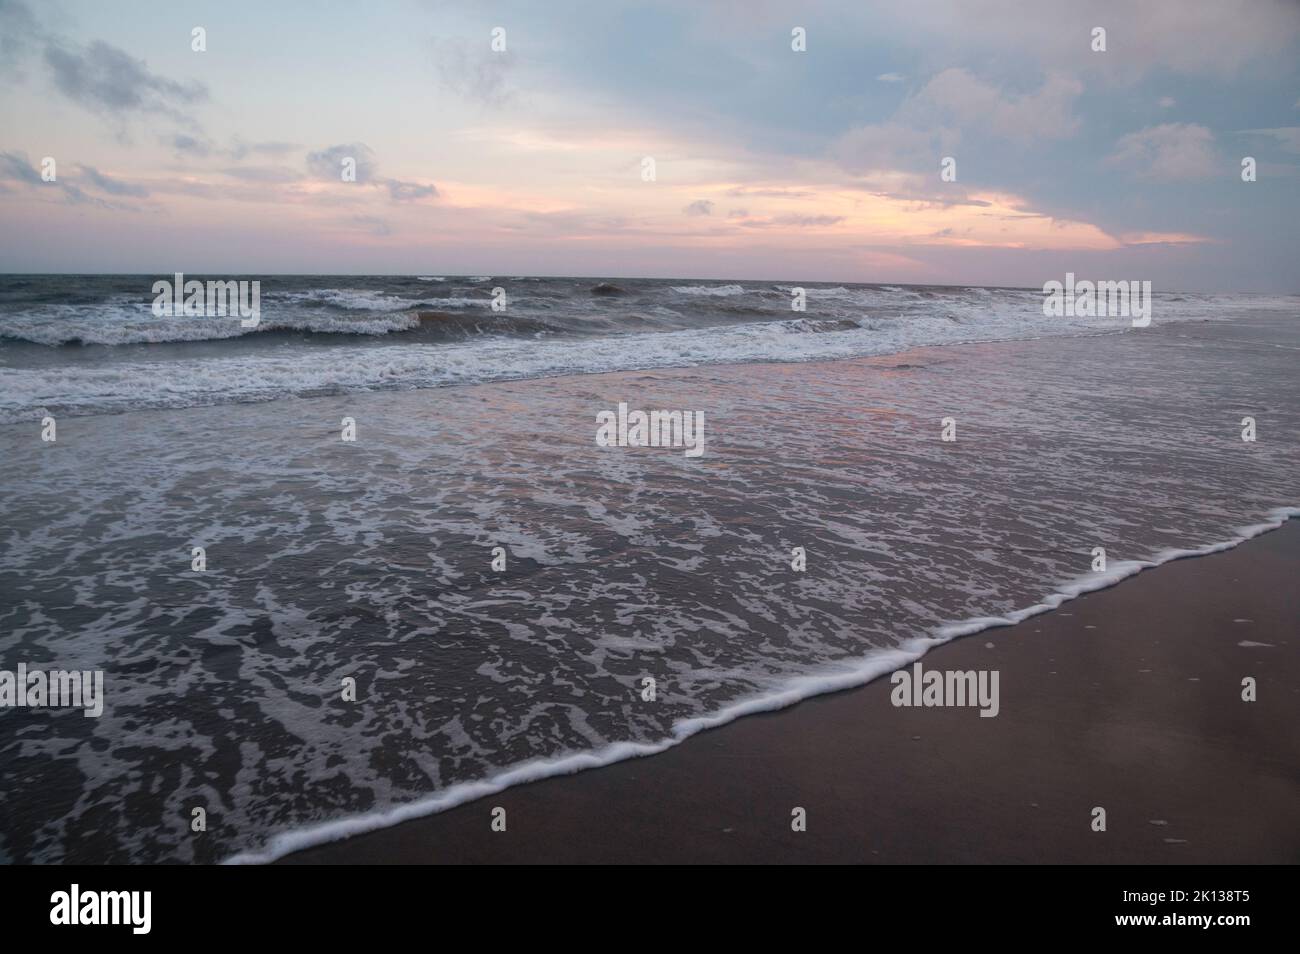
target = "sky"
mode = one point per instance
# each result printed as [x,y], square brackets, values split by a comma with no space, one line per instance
[824,163]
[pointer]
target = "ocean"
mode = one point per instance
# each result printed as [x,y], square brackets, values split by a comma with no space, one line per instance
[376,559]
[91,344]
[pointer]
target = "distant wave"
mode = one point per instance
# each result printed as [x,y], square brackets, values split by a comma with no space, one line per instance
[59,311]
[126,385]
[326,312]
[415,325]
[168,330]
[367,333]
[351,299]
[715,291]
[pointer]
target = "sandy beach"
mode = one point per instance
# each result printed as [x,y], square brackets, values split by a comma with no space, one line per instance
[1128,698]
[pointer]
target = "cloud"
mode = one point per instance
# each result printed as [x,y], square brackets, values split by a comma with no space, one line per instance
[890,145]
[1288,137]
[793,221]
[16,166]
[1170,151]
[1166,102]
[328,163]
[201,147]
[401,191]
[952,104]
[699,207]
[268,174]
[770,193]
[110,185]
[241,150]
[1162,238]
[890,77]
[187,145]
[472,70]
[105,79]
[808,221]
[957,98]
[18,33]
[76,196]
[1213,37]
[99,77]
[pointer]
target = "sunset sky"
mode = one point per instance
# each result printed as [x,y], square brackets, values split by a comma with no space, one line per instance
[770,163]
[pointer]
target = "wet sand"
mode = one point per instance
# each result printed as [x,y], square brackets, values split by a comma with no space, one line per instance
[1127,699]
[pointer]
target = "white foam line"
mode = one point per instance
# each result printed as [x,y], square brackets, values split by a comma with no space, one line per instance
[796,690]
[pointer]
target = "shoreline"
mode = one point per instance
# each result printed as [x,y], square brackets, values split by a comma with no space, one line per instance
[568,816]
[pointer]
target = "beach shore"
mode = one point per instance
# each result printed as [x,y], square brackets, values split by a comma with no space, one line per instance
[1128,699]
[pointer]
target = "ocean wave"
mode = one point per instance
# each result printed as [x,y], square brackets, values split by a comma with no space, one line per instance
[349,299]
[329,312]
[714,291]
[858,296]
[76,389]
[73,314]
[817,291]
[820,325]
[175,330]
